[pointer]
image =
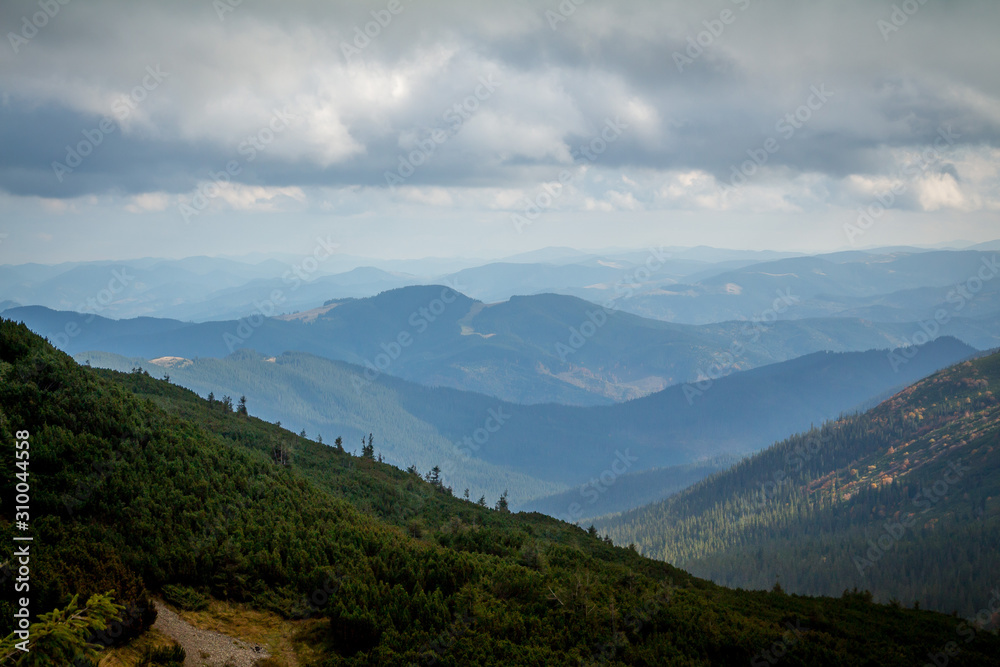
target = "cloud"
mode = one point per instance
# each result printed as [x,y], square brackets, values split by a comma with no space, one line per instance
[149,201]
[362,103]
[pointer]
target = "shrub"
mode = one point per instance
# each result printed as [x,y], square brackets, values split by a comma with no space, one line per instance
[185,597]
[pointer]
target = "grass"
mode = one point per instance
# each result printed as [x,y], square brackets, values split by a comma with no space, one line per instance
[130,655]
[284,639]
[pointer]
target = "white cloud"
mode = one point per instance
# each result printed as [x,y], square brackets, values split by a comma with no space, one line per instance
[148,201]
[426,196]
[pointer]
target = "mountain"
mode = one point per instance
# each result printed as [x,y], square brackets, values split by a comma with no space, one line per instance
[194,288]
[898,286]
[297,293]
[550,255]
[629,490]
[683,285]
[903,500]
[359,563]
[321,398]
[537,349]
[988,245]
[490,445]
[500,281]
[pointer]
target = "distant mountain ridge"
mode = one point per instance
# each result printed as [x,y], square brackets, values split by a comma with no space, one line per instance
[537,349]
[685,285]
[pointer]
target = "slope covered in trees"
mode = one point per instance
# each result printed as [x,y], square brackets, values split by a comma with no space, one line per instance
[491,445]
[903,500]
[167,492]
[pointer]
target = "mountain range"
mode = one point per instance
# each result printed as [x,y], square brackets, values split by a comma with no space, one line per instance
[533,451]
[682,285]
[142,486]
[533,349]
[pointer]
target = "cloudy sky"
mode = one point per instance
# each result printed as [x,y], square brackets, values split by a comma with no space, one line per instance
[410,128]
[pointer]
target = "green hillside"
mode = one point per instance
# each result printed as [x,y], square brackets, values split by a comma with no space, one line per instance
[133,493]
[318,395]
[490,445]
[903,500]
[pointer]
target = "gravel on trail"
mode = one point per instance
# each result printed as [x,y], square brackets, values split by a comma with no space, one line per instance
[219,649]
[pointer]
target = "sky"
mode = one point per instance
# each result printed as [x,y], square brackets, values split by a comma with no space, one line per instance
[412,128]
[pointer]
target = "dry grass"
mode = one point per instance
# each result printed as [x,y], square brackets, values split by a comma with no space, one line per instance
[131,654]
[281,637]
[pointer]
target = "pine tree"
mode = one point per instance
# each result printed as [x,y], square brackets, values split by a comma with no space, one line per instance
[501,505]
[61,636]
[242,408]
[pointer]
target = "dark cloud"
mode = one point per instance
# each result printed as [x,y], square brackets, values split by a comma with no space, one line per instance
[560,79]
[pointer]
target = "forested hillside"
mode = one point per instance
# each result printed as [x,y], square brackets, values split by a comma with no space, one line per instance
[134,493]
[596,497]
[903,500]
[491,445]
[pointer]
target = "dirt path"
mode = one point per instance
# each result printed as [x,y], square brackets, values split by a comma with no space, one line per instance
[205,647]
